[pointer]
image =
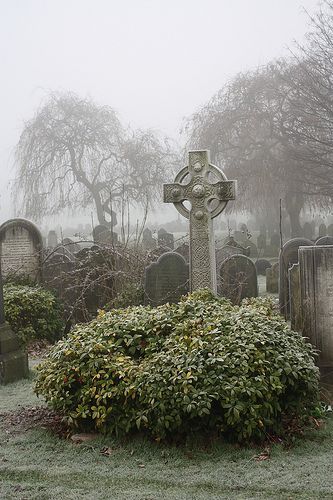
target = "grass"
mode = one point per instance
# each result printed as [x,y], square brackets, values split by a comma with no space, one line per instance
[36,464]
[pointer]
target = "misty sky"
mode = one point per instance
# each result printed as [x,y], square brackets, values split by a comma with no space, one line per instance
[154,61]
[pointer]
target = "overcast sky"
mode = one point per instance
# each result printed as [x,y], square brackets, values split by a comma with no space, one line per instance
[154,61]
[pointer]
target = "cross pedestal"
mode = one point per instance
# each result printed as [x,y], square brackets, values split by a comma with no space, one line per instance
[195,183]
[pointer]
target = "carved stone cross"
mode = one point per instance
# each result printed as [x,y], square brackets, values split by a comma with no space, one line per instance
[208,199]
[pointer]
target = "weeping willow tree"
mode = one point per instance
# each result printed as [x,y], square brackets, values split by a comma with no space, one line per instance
[74,153]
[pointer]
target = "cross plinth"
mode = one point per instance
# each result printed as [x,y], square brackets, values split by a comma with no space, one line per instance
[195,183]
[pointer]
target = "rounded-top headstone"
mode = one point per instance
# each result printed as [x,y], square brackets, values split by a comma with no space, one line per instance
[262,265]
[238,278]
[288,256]
[324,240]
[21,246]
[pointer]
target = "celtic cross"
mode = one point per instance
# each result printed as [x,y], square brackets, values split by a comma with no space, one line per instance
[208,199]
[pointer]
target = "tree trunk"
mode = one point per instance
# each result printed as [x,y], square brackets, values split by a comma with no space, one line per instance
[294,203]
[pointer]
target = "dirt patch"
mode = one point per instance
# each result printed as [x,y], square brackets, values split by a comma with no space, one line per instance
[28,418]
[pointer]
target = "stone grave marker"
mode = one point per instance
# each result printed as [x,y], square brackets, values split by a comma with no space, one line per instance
[262,265]
[238,279]
[102,235]
[272,278]
[21,248]
[72,246]
[165,239]
[195,183]
[184,250]
[324,241]
[52,239]
[13,359]
[288,256]
[148,241]
[166,280]
[225,252]
[296,317]
[316,276]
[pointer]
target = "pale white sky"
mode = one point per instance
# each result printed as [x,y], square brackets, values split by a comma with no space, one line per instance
[154,61]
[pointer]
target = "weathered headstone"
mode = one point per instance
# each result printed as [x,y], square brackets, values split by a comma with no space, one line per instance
[272,278]
[166,280]
[225,252]
[52,239]
[21,248]
[288,256]
[324,241]
[262,265]
[208,199]
[148,242]
[184,250]
[316,275]
[13,359]
[165,239]
[72,246]
[238,279]
[296,316]
[103,235]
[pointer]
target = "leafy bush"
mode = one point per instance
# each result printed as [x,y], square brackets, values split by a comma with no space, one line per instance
[33,313]
[198,364]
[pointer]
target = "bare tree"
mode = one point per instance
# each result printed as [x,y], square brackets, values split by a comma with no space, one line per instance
[308,124]
[74,153]
[242,127]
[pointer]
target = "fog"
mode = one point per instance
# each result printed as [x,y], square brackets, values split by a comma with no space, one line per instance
[154,62]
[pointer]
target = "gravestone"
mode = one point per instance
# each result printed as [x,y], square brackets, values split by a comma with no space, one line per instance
[288,256]
[195,183]
[316,275]
[165,239]
[262,265]
[322,231]
[166,280]
[71,245]
[52,239]
[225,252]
[238,279]
[21,248]
[296,316]
[184,250]
[324,241]
[272,278]
[13,359]
[102,235]
[148,242]
[64,250]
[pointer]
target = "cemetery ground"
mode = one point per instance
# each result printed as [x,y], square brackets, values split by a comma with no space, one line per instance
[39,460]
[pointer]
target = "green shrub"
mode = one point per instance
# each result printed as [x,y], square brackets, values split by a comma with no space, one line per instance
[198,364]
[33,313]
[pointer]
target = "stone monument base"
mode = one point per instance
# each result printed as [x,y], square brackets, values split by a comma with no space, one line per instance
[13,359]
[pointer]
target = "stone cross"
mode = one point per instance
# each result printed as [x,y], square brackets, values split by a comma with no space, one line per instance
[208,199]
